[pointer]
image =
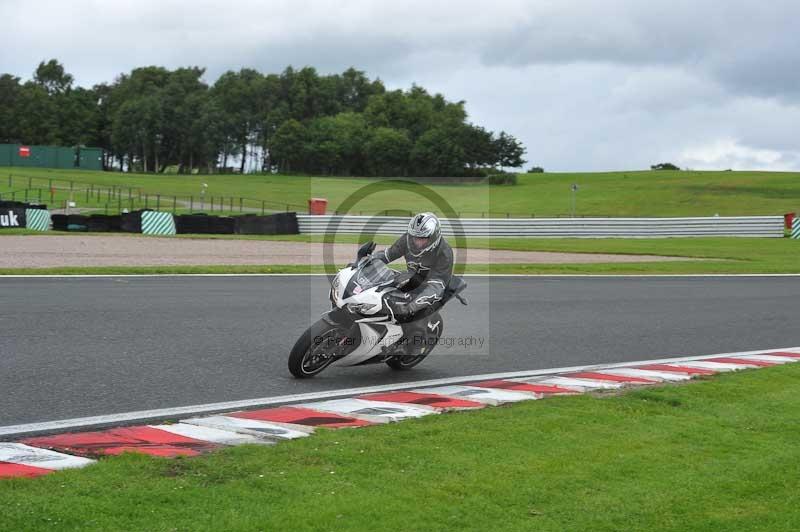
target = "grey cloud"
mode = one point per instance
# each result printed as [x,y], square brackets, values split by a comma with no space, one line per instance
[749,47]
[586,84]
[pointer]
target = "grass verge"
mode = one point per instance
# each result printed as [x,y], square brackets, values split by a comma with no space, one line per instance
[721,256]
[719,454]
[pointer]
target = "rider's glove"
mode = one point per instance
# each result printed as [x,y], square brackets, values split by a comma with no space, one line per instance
[401,306]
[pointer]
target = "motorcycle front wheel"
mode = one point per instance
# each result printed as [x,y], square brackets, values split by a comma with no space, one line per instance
[315,350]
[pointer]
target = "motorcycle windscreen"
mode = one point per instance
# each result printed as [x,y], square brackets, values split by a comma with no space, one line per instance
[369,274]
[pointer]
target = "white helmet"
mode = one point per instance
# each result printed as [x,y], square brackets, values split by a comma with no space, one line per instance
[424,233]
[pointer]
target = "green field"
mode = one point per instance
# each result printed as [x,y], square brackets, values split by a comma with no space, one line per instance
[702,456]
[640,193]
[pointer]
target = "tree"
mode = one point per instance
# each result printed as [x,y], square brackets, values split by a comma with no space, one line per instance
[335,144]
[387,152]
[137,127]
[78,116]
[182,100]
[509,151]
[479,146]
[237,93]
[204,138]
[355,89]
[287,145]
[36,116]
[52,77]
[297,120]
[664,166]
[437,153]
[10,100]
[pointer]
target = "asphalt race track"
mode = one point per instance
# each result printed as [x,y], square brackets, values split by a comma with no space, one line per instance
[74,347]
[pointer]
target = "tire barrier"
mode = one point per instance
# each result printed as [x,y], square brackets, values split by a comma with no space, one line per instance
[131,222]
[102,223]
[250,224]
[150,222]
[203,224]
[157,223]
[12,214]
[19,215]
[12,217]
[37,219]
[59,222]
[275,224]
[77,222]
[222,225]
[191,224]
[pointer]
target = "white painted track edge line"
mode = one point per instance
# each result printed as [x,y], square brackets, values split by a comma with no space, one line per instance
[168,413]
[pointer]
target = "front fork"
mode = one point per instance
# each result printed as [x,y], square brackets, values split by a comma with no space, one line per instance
[350,335]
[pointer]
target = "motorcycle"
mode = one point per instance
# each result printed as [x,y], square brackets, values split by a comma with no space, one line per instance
[360,328]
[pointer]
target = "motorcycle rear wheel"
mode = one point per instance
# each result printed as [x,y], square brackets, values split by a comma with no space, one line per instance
[406,362]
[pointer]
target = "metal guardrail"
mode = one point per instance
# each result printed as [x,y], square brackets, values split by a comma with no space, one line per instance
[741,226]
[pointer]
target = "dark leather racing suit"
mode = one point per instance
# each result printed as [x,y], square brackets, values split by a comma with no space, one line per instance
[434,268]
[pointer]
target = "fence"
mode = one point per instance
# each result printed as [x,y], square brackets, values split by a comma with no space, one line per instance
[70,195]
[741,226]
[51,156]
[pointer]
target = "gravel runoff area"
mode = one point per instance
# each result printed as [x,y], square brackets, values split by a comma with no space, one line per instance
[52,251]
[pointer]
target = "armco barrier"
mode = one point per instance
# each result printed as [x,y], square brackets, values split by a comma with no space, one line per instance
[741,226]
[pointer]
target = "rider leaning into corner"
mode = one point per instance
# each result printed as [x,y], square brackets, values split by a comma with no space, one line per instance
[429,258]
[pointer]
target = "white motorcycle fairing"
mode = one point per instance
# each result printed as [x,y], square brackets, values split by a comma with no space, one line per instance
[377,333]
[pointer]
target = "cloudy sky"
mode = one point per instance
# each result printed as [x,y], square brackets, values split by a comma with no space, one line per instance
[585,84]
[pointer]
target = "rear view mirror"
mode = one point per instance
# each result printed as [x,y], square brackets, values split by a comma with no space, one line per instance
[366,249]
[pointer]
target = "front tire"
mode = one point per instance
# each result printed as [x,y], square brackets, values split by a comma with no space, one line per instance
[315,350]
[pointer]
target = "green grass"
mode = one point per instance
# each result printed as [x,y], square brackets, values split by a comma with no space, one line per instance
[639,193]
[721,255]
[719,454]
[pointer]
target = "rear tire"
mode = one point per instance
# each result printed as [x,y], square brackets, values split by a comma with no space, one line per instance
[406,362]
[314,350]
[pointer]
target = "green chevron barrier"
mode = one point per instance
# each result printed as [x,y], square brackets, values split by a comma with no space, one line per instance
[796,228]
[37,219]
[157,223]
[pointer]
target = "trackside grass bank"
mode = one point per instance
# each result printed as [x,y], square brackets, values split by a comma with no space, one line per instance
[720,256]
[625,193]
[719,454]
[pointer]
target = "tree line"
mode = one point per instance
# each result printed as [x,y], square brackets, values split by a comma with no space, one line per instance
[296,121]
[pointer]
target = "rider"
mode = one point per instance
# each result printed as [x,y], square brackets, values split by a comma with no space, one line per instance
[430,257]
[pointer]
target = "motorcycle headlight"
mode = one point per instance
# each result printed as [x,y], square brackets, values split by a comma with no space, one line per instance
[359,308]
[336,286]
